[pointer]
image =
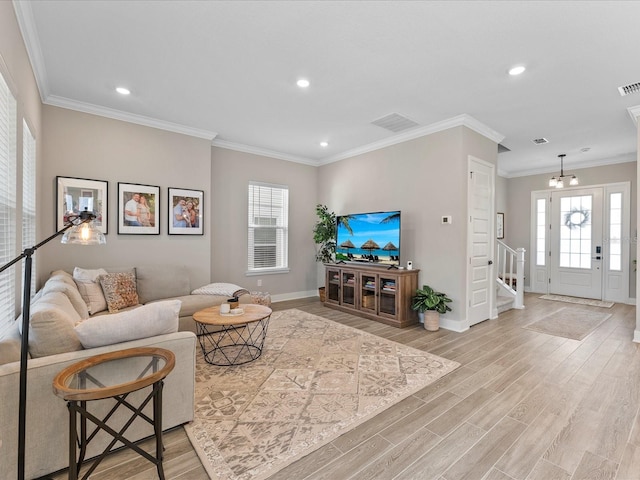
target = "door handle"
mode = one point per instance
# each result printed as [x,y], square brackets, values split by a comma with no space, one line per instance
[490,262]
[596,258]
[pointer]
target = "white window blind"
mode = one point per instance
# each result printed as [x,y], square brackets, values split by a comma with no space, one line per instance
[29,198]
[7,204]
[268,227]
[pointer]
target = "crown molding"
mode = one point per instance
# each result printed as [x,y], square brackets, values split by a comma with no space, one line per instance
[128,117]
[24,15]
[263,152]
[634,113]
[624,158]
[463,120]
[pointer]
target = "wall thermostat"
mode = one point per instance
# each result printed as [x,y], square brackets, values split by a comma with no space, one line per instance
[409,265]
[447,220]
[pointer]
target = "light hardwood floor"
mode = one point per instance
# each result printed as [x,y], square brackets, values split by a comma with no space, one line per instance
[523,405]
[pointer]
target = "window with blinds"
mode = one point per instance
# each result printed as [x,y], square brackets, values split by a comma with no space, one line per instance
[29,198]
[7,204]
[268,227]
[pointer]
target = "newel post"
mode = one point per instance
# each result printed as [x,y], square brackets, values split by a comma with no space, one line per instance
[519,303]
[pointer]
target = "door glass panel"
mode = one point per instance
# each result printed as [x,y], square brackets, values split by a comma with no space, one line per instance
[615,232]
[575,231]
[541,231]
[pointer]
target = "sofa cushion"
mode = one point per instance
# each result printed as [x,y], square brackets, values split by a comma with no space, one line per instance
[159,282]
[194,303]
[119,290]
[90,288]
[59,283]
[51,326]
[10,345]
[141,322]
[226,289]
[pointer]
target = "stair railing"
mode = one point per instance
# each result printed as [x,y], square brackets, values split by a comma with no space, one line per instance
[510,272]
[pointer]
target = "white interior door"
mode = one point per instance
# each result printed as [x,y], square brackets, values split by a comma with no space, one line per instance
[576,243]
[481,239]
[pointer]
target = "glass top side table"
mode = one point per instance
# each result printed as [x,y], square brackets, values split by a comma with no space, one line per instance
[113,375]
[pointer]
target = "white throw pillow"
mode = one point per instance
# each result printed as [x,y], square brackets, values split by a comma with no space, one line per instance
[90,288]
[142,322]
[224,289]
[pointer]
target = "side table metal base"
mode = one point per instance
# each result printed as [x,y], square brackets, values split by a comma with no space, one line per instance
[79,409]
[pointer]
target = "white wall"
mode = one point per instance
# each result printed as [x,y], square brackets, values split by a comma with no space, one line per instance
[518,211]
[231,172]
[81,145]
[425,178]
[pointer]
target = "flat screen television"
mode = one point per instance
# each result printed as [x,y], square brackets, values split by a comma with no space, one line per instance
[369,238]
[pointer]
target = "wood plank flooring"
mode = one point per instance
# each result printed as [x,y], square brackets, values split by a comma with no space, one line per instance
[523,406]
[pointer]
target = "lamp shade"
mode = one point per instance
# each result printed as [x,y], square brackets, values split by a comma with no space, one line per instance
[84,234]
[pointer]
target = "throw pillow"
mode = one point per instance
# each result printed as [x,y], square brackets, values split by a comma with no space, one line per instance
[142,322]
[90,289]
[51,326]
[119,290]
[223,289]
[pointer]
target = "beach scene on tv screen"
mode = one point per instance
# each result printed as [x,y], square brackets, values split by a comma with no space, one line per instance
[369,237]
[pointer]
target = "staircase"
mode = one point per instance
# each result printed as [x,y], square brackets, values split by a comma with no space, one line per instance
[509,277]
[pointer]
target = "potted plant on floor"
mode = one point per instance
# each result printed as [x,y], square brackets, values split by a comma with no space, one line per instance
[431,304]
[324,235]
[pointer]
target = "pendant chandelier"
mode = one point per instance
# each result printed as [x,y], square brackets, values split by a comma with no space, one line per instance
[559,181]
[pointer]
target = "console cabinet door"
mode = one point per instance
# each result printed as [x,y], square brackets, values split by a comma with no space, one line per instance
[348,288]
[369,293]
[332,283]
[387,298]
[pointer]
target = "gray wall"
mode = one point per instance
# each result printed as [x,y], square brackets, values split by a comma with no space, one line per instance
[81,145]
[231,172]
[518,209]
[425,178]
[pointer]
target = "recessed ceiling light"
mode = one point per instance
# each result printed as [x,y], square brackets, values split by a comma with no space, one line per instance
[517,70]
[303,83]
[123,91]
[324,144]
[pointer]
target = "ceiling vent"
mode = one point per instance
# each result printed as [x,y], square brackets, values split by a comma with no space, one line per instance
[395,122]
[540,141]
[628,89]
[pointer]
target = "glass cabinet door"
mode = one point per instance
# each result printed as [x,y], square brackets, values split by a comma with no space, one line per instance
[368,292]
[387,289]
[333,285]
[349,288]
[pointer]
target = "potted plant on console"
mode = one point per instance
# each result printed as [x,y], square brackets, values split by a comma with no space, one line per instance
[431,304]
[324,235]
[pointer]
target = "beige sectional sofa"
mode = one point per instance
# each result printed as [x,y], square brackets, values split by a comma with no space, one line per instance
[53,345]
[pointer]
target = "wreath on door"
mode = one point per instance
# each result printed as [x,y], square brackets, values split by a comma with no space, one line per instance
[576,218]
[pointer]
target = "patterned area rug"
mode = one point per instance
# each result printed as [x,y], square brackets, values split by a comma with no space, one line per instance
[316,379]
[580,301]
[569,322]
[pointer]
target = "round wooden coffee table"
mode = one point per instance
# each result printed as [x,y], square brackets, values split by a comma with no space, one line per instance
[228,339]
[113,375]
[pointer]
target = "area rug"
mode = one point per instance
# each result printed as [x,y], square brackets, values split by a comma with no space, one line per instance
[581,301]
[569,322]
[316,379]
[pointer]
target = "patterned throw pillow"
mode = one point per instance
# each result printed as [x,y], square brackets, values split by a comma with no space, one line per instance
[119,290]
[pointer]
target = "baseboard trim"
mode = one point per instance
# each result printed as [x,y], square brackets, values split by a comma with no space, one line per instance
[294,295]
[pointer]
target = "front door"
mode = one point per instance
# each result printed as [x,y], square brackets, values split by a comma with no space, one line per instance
[576,243]
[481,239]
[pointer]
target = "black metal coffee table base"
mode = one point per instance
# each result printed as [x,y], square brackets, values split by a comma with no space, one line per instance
[232,344]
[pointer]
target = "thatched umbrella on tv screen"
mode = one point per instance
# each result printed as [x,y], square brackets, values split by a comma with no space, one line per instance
[390,247]
[370,245]
[347,245]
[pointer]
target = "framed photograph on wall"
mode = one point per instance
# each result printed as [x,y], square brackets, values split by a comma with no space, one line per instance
[74,195]
[185,211]
[138,209]
[500,226]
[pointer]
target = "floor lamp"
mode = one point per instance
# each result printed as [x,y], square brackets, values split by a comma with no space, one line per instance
[78,230]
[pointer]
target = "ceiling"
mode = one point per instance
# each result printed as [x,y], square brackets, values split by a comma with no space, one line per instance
[227,70]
